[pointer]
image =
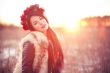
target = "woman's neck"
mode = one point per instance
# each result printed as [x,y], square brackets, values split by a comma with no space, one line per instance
[45,33]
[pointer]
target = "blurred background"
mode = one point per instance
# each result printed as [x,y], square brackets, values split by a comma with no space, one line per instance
[83,28]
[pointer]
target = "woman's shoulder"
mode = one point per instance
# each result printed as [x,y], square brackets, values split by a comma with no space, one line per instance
[28,37]
[37,38]
[33,37]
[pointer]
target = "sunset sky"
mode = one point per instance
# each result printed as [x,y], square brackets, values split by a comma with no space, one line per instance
[63,12]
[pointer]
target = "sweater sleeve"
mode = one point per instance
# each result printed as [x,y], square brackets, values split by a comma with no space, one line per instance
[28,55]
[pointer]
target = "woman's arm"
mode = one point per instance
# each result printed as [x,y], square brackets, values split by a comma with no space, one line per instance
[28,55]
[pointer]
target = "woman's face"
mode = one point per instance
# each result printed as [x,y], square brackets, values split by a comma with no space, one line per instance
[39,23]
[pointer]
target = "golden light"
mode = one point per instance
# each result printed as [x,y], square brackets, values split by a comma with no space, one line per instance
[83,23]
[72,27]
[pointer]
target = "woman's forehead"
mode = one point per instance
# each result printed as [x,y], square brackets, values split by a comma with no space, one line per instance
[35,17]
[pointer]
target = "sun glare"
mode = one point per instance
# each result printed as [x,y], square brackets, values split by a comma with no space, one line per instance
[72,27]
[83,23]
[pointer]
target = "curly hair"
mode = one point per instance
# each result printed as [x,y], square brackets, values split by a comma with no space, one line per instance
[31,11]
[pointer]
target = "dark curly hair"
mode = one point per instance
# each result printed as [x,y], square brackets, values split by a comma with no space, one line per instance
[30,11]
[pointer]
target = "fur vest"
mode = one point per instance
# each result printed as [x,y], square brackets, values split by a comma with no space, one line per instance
[40,41]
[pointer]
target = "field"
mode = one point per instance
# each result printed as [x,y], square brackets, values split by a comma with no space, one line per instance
[86,51]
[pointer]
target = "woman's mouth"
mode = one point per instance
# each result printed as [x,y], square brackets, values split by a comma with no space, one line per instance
[43,26]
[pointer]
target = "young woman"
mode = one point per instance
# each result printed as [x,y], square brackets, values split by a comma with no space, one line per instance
[41,51]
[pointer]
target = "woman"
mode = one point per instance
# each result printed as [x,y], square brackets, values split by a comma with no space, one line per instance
[40,49]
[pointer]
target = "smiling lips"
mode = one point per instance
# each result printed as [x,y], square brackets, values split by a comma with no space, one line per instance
[43,25]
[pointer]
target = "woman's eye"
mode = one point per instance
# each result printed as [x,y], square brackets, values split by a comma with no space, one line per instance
[35,23]
[40,18]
